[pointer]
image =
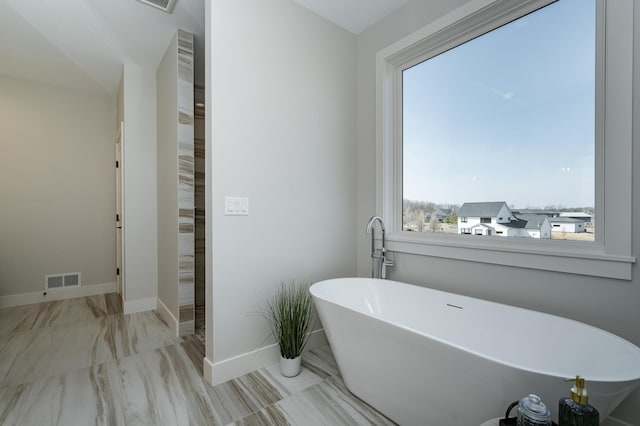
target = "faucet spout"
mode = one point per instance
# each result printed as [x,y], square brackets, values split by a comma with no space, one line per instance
[370,229]
[376,256]
[373,220]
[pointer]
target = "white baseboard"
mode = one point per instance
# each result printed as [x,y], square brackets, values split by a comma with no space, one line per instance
[220,372]
[139,305]
[168,317]
[57,294]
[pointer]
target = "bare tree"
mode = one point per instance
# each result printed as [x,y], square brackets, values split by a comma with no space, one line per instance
[420,220]
[434,224]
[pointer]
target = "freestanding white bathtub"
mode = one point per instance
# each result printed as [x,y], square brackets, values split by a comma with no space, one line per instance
[427,357]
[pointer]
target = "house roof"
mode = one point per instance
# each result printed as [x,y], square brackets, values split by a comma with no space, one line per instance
[576,215]
[532,221]
[519,224]
[482,225]
[565,220]
[443,212]
[549,213]
[488,209]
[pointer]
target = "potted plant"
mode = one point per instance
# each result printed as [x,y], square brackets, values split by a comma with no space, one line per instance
[289,313]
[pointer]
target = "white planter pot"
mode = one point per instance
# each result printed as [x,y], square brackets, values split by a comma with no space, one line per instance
[290,367]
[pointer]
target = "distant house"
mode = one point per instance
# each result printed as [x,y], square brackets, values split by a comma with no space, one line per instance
[567,224]
[482,218]
[536,225]
[495,218]
[585,217]
[442,214]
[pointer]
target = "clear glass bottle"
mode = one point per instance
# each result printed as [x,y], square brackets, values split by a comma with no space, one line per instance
[533,412]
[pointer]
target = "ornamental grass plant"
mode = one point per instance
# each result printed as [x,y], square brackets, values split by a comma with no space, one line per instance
[289,313]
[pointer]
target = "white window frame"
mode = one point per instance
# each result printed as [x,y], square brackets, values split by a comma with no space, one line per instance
[610,254]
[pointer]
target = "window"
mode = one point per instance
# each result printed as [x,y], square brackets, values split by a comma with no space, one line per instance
[463,220]
[523,93]
[599,167]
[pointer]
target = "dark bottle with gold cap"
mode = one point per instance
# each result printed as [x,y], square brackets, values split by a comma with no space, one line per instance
[575,410]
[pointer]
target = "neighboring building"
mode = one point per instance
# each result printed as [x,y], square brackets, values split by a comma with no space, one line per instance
[567,224]
[548,213]
[495,218]
[442,214]
[585,217]
[536,225]
[482,218]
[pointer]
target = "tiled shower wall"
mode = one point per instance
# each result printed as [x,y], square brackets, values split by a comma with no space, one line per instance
[199,153]
[186,184]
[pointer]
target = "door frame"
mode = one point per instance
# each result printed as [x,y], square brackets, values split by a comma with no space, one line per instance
[119,214]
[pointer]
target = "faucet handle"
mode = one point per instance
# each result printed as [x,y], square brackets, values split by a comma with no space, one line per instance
[384,264]
[389,261]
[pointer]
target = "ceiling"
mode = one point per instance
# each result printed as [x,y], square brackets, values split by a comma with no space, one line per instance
[353,15]
[82,44]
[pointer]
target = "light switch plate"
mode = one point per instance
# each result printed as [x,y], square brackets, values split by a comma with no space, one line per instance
[236,206]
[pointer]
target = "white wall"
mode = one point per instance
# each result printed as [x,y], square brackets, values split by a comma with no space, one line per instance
[281,99]
[609,304]
[140,195]
[58,185]
[409,18]
[167,119]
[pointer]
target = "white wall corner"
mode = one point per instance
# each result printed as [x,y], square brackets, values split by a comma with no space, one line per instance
[231,368]
[168,317]
[140,305]
[207,370]
[57,294]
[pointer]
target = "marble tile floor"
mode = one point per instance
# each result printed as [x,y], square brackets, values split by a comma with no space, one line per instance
[199,325]
[81,362]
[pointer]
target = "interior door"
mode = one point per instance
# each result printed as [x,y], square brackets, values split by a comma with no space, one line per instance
[119,216]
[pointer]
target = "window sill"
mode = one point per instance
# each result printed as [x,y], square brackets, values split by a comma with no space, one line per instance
[558,256]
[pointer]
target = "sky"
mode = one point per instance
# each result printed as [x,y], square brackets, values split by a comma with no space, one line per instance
[508,116]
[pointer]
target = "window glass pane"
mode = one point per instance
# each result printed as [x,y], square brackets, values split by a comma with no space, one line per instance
[498,133]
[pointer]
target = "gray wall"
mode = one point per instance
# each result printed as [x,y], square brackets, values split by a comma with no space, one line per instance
[138,110]
[58,185]
[605,303]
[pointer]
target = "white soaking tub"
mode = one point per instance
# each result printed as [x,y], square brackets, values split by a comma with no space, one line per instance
[427,357]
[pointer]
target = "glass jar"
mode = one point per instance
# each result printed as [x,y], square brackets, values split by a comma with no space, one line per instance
[533,412]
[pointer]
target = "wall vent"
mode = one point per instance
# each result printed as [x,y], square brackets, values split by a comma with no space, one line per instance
[71,279]
[164,5]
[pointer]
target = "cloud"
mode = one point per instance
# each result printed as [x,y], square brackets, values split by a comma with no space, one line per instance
[507,96]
